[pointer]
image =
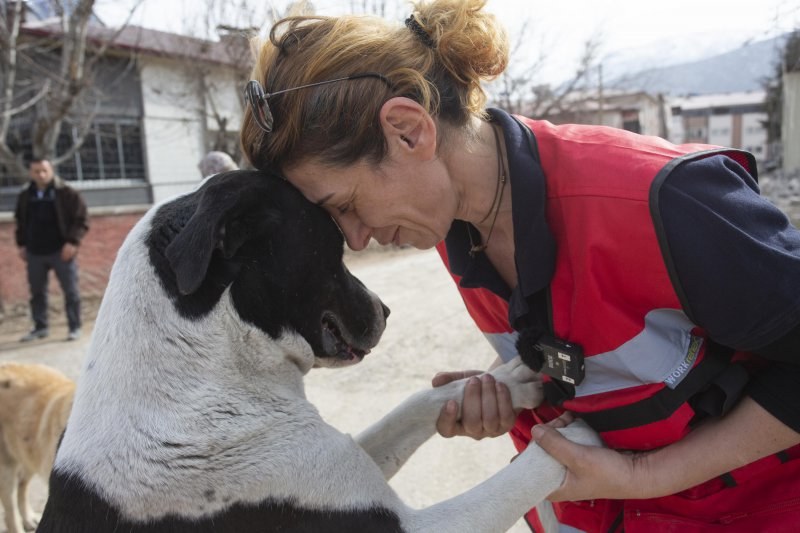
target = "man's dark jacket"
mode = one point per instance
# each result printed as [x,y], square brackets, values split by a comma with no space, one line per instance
[71,213]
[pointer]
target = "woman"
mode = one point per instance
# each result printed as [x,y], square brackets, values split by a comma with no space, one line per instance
[661,264]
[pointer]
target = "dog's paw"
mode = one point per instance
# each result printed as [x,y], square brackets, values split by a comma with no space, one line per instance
[580,432]
[525,385]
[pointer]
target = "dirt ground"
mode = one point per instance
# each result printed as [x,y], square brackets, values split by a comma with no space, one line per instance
[428,331]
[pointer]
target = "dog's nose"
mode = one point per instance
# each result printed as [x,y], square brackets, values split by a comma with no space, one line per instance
[386,311]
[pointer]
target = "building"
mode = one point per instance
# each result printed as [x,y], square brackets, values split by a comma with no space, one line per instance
[639,111]
[159,102]
[731,119]
[790,123]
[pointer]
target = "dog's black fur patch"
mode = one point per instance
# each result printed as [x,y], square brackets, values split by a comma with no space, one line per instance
[72,508]
[280,254]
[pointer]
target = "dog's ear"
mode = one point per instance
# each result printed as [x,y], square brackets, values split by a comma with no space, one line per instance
[225,218]
[240,229]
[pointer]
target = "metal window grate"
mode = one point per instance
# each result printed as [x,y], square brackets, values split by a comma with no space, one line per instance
[112,150]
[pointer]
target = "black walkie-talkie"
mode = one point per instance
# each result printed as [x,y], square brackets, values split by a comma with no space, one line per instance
[563,360]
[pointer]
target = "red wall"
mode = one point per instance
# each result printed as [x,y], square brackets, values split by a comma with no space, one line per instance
[97,254]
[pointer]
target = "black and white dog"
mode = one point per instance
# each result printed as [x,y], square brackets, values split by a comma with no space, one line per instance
[190,413]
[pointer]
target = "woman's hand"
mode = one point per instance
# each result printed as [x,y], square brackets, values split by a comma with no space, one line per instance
[486,409]
[592,472]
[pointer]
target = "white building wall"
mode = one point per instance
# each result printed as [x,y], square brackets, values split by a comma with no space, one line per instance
[754,136]
[675,130]
[612,118]
[224,95]
[179,120]
[720,130]
[653,119]
[790,134]
[173,126]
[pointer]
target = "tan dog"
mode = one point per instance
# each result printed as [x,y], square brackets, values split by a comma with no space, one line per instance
[35,401]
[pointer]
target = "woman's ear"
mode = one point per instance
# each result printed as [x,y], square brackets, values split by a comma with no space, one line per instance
[408,127]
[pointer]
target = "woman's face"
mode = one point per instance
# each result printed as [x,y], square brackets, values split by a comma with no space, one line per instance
[403,201]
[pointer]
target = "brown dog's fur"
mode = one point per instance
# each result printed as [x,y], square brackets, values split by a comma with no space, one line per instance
[35,401]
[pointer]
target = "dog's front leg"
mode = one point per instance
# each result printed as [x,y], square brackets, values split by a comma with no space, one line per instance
[392,440]
[8,496]
[29,519]
[497,503]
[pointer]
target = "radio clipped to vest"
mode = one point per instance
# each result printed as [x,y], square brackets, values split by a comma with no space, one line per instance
[563,360]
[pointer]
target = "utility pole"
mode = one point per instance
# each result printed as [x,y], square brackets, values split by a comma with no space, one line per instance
[600,94]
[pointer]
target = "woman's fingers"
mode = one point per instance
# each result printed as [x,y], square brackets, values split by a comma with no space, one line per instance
[447,424]
[443,378]
[486,409]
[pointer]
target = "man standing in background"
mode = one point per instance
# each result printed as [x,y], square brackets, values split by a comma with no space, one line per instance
[51,220]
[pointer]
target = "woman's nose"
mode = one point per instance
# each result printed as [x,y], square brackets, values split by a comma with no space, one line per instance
[355,232]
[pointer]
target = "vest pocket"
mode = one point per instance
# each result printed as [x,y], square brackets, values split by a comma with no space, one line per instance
[763,499]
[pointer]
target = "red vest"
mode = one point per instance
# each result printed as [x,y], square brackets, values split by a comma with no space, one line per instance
[613,294]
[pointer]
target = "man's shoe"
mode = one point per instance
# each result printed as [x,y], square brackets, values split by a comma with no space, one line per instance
[74,334]
[40,333]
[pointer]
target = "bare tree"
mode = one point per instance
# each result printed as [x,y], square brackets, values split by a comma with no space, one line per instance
[514,87]
[47,75]
[235,23]
[520,88]
[380,8]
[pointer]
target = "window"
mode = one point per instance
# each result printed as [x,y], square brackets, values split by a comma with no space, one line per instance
[112,150]
[632,125]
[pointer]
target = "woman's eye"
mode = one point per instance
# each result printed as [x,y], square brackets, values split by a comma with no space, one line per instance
[343,209]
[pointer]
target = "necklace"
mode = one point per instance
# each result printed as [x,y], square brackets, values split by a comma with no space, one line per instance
[498,196]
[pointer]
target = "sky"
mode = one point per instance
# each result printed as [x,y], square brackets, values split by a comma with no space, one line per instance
[629,31]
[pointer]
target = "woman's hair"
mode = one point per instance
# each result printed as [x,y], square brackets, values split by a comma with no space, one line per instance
[339,122]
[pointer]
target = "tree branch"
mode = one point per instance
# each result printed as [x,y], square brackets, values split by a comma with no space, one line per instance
[8,113]
[9,66]
[83,131]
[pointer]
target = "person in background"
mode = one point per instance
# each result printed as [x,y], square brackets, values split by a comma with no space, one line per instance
[651,285]
[216,162]
[51,220]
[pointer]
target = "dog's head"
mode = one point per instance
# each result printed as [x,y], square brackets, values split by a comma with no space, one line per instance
[281,257]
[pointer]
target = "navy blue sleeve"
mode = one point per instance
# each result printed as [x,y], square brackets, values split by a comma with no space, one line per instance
[736,255]
[737,258]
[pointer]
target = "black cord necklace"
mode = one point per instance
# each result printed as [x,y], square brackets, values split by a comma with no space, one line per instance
[498,196]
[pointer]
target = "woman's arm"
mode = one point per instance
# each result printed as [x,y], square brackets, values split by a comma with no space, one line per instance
[746,434]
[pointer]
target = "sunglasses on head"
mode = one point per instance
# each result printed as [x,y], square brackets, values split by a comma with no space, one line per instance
[257,98]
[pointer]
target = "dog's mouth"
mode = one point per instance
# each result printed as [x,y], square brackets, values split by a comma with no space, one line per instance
[337,343]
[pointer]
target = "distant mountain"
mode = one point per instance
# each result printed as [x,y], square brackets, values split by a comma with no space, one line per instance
[738,70]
